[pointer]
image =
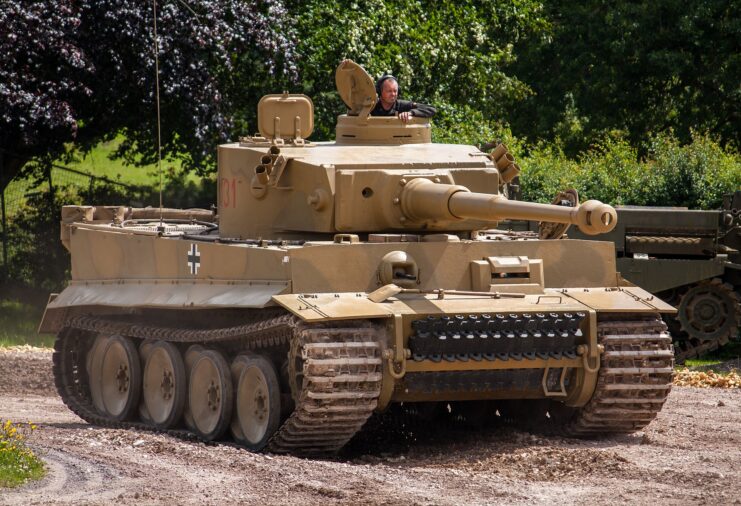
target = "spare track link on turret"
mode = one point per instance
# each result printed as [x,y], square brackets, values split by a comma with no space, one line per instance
[341,376]
[634,379]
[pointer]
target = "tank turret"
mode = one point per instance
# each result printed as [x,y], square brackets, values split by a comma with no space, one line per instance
[380,175]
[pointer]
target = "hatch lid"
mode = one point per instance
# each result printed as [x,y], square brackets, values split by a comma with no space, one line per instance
[286,116]
[356,88]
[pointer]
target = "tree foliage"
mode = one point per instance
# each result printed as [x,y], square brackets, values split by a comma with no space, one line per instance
[640,67]
[447,53]
[85,71]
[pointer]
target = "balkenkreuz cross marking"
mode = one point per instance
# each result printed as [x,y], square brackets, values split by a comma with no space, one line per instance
[194,259]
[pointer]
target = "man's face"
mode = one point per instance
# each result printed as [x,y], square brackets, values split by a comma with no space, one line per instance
[389,91]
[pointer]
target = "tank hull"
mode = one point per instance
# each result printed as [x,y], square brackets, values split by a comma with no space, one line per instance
[562,331]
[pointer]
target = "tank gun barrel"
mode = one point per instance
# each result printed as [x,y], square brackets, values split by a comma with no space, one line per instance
[424,200]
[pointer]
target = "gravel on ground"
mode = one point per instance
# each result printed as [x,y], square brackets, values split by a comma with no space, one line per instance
[689,454]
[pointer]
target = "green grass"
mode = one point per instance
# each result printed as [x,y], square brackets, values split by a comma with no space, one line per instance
[730,351]
[18,464]
[699,362]
[18,324]
[99,163]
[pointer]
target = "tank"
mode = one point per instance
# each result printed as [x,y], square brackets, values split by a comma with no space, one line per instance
[342,279]
[692,260]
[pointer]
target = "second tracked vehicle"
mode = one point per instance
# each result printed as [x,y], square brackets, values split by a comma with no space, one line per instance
[341,278]
[691,259]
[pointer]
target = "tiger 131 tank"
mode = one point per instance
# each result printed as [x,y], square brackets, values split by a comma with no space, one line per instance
[341,278]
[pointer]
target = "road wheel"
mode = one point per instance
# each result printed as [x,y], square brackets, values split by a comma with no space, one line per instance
[192,354]
[164,385]
[210,395]
[121,378]
[94,365]
[257,401]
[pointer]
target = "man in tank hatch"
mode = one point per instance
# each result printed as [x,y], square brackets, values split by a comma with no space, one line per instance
[388,103]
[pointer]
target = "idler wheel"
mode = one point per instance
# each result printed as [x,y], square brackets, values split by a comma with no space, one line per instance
[210,395]
[121,378]
[164,385]
[257,401]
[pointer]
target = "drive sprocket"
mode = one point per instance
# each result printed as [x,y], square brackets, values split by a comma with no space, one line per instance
[709,314]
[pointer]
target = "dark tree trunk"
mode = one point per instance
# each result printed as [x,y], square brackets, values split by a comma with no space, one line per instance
[10,165]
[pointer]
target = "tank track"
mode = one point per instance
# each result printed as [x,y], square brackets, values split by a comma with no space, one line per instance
[686,349]
[341,375]
[634,379]
[340,384]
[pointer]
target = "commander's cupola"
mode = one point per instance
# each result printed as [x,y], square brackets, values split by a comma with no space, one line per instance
[358,91]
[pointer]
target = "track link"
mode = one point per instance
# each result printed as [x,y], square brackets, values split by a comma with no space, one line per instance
[339,370]
[337,390]
[634,379]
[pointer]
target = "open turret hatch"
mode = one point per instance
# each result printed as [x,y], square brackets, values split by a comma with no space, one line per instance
[285,117]
[358,90]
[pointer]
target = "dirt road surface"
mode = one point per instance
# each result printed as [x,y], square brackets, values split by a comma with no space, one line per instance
[690,455]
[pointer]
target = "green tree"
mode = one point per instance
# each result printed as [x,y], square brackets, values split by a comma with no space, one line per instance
[641,67]
[447,53]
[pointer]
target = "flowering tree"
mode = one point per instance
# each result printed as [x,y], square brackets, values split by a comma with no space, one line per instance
[450,53]
[84,71]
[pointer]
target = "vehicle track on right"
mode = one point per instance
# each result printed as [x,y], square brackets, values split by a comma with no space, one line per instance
[634,379]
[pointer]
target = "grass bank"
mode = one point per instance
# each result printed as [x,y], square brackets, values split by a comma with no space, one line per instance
[717,360]
[18,464]
[18,324]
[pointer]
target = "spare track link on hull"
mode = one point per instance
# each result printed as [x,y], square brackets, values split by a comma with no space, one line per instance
[634,379]
[342,375]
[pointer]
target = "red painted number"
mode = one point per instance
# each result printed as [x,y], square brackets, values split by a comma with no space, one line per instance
[228,192]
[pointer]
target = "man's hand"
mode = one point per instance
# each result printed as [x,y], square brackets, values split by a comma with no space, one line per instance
[405,116]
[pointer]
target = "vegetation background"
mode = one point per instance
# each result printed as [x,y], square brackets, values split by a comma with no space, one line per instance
[630,103]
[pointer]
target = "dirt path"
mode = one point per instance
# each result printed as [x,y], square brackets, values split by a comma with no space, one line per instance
[690,454]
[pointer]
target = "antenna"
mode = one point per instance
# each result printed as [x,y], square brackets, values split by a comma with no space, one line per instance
[157,91]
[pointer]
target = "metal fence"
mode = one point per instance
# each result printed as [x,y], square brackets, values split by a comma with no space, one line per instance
[19,190]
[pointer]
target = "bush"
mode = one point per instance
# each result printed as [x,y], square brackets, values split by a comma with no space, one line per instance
[458,124]
[695,175]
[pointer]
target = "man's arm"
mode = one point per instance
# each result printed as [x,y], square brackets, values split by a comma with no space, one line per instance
[416,109]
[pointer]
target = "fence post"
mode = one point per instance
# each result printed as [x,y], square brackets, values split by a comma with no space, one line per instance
[4,270]
[51,186]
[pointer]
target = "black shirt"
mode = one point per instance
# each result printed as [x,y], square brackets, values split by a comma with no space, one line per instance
[418,110]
